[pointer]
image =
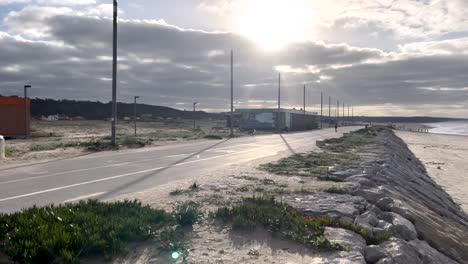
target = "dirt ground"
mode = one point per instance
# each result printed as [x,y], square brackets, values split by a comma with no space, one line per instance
[211,242]
[60,139]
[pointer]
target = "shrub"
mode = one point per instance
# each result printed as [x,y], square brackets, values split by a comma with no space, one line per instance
[139,142]
[66,232]
[280,218]
[213,136]
[187,214]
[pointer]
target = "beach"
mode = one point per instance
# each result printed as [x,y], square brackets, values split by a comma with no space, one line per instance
[444,157]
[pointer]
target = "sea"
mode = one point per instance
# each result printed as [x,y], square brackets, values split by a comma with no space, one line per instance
[450,128]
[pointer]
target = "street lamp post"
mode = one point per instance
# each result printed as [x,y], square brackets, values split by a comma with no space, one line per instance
[232,96]
[135,113]
[114,75]
[26,122]
[279,102]
[321,110]
[194,106]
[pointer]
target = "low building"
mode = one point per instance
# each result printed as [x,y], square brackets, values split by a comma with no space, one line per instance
[14,121]
[271,118]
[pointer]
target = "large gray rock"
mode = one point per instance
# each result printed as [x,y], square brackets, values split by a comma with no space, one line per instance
[333,205]
[362,180]
[346,238]
[401,227]
[374,253]
[372,195]
[367,221]
[401,252]
[429,254]
[370,218]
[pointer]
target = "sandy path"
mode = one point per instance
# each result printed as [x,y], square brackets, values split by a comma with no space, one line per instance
[445,158]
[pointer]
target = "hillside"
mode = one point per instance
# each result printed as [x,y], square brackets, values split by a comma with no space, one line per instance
[98,110]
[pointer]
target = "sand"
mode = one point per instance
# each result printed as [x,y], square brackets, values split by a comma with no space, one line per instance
[445,158]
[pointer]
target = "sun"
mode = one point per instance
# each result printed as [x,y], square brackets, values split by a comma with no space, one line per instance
[273,24]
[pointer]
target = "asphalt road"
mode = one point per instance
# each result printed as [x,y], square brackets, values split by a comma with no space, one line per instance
[109,174]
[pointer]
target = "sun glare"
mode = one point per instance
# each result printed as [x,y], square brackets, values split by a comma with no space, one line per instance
[273,24]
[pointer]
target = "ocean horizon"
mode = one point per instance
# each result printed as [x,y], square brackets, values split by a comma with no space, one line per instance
[449,128]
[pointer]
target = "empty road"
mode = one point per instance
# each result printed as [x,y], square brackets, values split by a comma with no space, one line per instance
[108,174]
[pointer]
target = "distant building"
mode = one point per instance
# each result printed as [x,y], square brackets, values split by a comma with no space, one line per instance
[270,119]
[12,116]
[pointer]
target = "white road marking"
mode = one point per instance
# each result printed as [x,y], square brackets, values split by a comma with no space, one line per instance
[37,173]
[135,173]
[84,197]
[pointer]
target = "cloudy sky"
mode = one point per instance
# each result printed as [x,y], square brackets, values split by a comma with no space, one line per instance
[384,57]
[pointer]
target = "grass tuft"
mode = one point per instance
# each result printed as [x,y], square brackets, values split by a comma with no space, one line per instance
[187,214]
[334,189]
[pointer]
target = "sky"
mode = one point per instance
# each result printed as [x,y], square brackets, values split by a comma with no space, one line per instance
[383,57]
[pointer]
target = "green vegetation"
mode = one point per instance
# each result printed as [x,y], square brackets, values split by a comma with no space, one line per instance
[187,213]
[194,187]
[248,178]
[334,189]
[351,141]
[281,219]
[337,151]
[12,152]
[244,188]
[91,145]
[65,233]
[135,142]
[310,164]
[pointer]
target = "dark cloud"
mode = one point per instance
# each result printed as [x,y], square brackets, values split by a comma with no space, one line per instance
[169,66]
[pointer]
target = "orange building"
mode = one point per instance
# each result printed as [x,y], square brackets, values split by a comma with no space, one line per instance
[12,116]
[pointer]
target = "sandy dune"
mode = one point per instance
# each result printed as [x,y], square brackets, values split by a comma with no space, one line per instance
[445,157]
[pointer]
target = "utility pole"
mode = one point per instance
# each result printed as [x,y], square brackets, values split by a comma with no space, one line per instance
[352,117]
[135,113]
[348,113]
[343,114]
[26,121]
[194,105]
[279,102]
[114,76]
[337,111]
[232,95]
[304,99]
[321,110]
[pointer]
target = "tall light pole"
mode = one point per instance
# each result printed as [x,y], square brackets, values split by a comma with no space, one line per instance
[321,110]
[194,105]
[26,121]
[114,76]
[279,102]
[135,113]
[232,95]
